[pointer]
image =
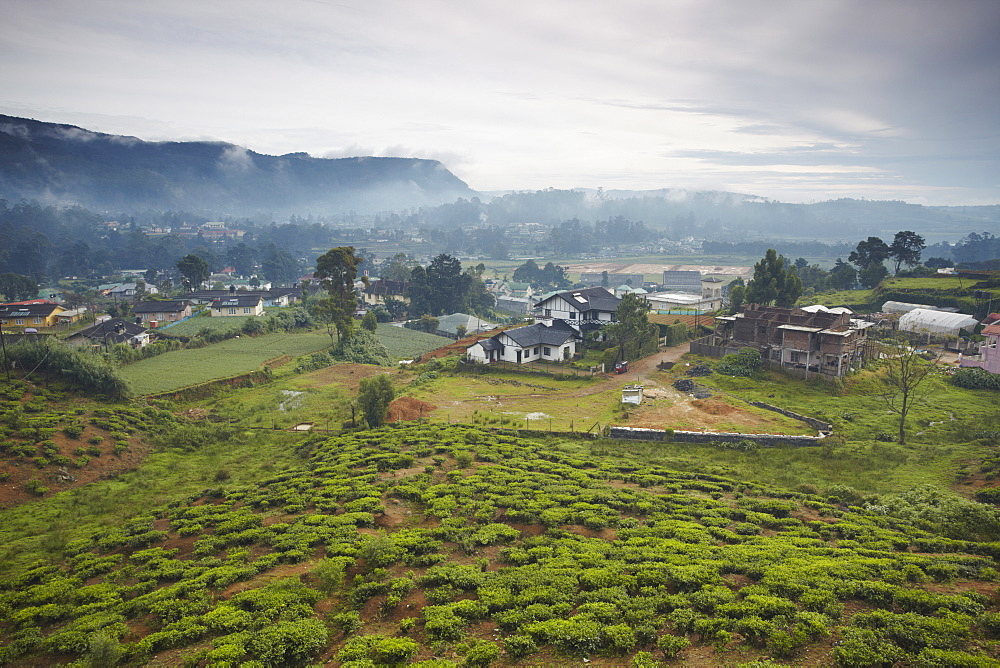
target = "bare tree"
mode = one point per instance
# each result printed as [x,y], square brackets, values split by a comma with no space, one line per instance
[902,382]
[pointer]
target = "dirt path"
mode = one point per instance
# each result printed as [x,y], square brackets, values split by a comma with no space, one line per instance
[640,372]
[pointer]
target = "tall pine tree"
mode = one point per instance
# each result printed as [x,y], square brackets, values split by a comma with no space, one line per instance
[774,281]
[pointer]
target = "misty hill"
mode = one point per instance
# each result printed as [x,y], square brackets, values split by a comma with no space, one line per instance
[726,216]
[66,164]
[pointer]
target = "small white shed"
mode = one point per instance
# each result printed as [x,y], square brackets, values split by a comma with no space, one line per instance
[632,394]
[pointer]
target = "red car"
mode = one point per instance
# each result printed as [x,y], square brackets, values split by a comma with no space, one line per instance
[621,367]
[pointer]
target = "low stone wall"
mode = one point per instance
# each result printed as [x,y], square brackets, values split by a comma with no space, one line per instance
[818,425]
[764,440]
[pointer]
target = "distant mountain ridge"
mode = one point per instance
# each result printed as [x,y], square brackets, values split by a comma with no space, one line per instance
[65,164]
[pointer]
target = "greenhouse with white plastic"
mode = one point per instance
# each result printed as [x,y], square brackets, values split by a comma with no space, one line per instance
[936,323]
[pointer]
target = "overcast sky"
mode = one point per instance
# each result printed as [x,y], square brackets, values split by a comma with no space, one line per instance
[797,100]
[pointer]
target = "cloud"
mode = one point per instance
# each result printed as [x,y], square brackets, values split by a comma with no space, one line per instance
[636,93]
[235,159]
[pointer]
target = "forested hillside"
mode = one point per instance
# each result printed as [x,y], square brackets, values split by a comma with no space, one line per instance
[67,164]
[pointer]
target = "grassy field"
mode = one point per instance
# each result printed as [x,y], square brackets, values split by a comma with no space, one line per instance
[182,368]
[937,287]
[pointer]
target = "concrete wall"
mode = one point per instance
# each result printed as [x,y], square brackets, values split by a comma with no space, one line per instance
[703,347]
[764,440]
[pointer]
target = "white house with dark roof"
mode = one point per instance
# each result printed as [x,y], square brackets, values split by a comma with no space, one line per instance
[588,308]
[238,305]
[553,343]
[163,311]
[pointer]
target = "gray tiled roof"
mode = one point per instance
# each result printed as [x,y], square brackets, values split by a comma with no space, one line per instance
[590,299]
[237,299]
[538,334]
[166,306]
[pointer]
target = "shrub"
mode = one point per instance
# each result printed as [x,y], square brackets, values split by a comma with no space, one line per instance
[482,654]
[362,348]
[288,643]
[619,639]
[943,658]
[348,622]
[35,486]
[379,650]
[861,648]
[103,650]
[746,362]
[519,646]
[974,378]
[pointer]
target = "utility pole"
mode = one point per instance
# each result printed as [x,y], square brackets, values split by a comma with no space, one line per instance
[3,347]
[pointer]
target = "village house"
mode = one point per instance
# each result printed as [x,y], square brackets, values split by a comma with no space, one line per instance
[682,280]
[238,304]
[378,291]
[515,305]
[816,340]
[110,332]
[554,343]
[162,311]
[39,313]
[989,351]
[269,297]
[585,309]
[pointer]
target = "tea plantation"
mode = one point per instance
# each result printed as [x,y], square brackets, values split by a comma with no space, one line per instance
[455,545]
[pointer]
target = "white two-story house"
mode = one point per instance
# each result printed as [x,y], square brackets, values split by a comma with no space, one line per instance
[584,309]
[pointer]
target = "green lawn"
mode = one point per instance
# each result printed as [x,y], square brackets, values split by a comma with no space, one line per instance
[191,366]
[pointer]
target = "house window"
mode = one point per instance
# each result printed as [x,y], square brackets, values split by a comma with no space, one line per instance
[796,357]
[547,351]
[18,321]
[536,350]
[232,311]
[37,321]
[247,309]
[548,313]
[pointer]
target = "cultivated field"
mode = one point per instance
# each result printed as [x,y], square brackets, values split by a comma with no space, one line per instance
[182,368]
[405,343]
[217,325]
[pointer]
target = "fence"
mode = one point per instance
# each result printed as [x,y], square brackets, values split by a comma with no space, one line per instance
[708,346]
[537,368]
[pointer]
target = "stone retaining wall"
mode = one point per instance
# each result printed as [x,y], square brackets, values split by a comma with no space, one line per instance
[818,425]
[764,440]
